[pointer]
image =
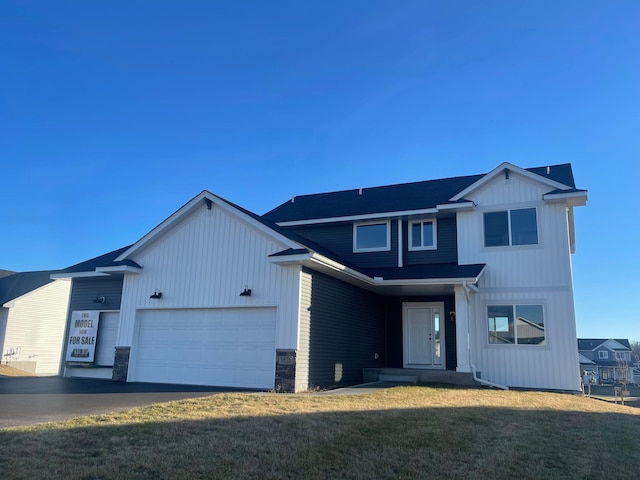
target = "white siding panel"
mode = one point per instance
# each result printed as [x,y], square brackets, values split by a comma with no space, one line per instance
[35,325]
[302,355]
[516,274]
[206,261]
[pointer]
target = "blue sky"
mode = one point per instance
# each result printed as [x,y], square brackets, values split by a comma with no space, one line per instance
[114,114]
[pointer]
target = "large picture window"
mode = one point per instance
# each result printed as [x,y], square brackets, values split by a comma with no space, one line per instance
[511,227]
[516,324]
[371,237]
[422,235]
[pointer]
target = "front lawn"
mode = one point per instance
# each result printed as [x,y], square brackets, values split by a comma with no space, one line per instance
[405,432]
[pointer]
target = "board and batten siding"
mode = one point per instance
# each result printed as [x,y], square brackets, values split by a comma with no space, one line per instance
[341,331]
[537,274]
[205,262]
[36,325]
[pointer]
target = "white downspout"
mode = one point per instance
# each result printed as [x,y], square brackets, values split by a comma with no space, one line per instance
[473,368]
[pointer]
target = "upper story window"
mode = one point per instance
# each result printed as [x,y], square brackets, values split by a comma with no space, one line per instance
[511,227]
[623,356]
[516,324]
[603,355]
[422,235]
[372,237]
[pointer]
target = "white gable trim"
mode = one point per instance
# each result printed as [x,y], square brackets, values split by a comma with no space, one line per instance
[512,168]
[203,200]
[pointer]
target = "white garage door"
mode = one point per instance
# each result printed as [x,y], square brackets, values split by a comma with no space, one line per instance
[232,347]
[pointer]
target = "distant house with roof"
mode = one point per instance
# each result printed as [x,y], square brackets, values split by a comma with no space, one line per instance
[608,361]
[33,312]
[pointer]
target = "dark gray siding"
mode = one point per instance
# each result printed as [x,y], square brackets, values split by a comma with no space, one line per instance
[85,290]
[394,329]
[447,251]
[338,238]
[345,331]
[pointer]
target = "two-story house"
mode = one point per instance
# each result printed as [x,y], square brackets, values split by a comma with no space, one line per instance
[606,361]
[447,280]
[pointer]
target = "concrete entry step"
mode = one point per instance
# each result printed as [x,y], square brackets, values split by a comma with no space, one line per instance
[398,378]
[418,376]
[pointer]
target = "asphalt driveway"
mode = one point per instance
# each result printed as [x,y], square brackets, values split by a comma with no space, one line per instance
[30,400]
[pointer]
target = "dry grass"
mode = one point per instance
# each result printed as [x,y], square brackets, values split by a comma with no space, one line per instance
[9,371]
[408,432]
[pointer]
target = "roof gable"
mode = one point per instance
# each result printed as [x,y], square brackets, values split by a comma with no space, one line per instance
[205,199]
[539,174]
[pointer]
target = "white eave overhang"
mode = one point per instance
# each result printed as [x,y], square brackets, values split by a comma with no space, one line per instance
[58,276]
[574,199]
[119,269]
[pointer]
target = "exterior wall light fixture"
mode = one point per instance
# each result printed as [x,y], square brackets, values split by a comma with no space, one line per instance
[156,294]
[246,292]
[99,299]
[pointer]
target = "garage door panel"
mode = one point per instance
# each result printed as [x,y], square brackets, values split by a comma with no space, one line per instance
[227,347]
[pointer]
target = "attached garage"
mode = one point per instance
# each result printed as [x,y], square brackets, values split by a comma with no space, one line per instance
[232,347]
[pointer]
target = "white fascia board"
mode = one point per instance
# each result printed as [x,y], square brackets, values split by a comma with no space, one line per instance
[513,168]
[119,269]
[575,199]
[286,259]
[456,206]
[351,218]
[62,276]
[197,202]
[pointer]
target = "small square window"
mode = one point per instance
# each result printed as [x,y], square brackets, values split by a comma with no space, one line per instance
[603,355]
[371,237]
[422,235]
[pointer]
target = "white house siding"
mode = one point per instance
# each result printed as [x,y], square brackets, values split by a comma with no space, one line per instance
[35,325]
[539,274]
[302,355]
[205,262]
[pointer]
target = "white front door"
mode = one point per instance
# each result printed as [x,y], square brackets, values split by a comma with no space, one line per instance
[423,333]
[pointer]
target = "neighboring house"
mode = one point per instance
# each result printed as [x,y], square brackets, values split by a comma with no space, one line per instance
[440,280]
[33,312]
[606,360]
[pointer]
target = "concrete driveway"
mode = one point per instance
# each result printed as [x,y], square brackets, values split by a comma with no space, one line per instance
[30,400]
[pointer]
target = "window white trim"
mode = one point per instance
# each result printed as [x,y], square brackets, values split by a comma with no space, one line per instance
[509,229]
[434,222]
[513,305]
[603,355]
[384,248]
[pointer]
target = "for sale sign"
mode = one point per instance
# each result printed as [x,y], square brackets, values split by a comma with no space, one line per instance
[81,346]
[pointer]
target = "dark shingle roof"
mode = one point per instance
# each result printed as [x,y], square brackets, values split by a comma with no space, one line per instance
[6,273]
[392,198]
[106,260]
[428,272]
[591,343]
[18,284]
